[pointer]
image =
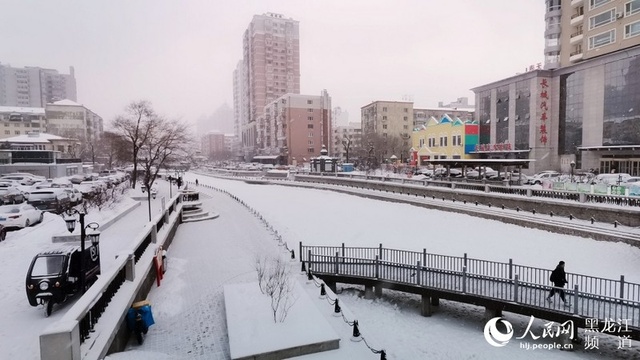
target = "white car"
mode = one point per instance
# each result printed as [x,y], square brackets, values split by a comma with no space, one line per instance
[20,215]
[75,195]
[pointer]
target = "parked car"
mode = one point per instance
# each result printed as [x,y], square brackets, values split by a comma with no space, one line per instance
[538,178]
[75,195]
[10,195]
[3,232]
[53,200]
[632,179]
[20,215]
[76,179]
[22,179]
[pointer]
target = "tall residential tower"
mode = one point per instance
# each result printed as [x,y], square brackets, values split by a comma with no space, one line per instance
[34,86]
[270,69]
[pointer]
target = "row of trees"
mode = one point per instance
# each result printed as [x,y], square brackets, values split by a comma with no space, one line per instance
[372,148]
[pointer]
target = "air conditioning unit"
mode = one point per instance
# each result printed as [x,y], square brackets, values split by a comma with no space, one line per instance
[619,15]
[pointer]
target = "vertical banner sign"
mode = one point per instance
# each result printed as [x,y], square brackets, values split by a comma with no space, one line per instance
[543,96]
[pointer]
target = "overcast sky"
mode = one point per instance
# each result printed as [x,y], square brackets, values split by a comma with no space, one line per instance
[180,54]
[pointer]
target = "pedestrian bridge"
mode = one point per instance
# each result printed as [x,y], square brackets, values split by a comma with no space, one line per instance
[598,304]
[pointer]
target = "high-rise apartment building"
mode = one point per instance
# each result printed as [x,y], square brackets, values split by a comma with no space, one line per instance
[34,86]
[578,30]
[270,69]
[240,117]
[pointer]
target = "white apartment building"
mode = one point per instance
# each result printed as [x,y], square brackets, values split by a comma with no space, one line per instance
[69,119]
[34,86]
[346,137]
[16,121]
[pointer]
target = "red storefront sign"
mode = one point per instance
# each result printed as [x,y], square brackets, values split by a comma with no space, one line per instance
[544,97]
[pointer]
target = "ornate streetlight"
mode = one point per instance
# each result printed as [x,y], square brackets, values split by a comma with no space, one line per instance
[573,166]
[94,237]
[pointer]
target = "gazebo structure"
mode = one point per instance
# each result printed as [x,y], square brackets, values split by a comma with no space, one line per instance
[324,162]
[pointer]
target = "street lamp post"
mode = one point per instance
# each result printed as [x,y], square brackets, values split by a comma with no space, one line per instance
[94,237]
[573,165]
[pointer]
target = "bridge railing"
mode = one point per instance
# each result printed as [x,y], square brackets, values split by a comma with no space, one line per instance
[583,302]
[619,289]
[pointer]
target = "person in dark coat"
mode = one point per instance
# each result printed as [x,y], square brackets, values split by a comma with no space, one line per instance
[559,279]
[196,182]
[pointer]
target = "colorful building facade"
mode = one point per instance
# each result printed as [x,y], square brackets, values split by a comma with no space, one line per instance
[446,138]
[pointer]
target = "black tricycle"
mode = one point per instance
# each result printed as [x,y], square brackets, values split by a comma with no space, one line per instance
[54,275]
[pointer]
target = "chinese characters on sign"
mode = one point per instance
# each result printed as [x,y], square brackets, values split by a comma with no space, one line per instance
[610,327]
[544,98]
[493,147]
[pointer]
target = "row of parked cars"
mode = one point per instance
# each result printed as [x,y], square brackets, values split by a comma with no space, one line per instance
[25,197]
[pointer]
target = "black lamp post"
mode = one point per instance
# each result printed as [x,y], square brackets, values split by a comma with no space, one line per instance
[573,165]
[94,237]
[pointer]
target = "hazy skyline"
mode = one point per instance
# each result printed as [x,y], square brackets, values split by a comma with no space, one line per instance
[180,55]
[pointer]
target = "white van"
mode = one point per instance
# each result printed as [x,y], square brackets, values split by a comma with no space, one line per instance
[612,179]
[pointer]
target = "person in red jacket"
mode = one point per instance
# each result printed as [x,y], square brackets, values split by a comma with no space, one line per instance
[559,279]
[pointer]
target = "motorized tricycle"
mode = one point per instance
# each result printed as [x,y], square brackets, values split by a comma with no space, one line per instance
[54,275]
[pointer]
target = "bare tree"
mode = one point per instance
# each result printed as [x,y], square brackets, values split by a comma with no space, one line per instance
[166,141]
[135,126]
[346,142]
[274,280]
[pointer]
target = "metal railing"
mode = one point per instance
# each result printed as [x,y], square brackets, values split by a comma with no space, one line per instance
[589,296]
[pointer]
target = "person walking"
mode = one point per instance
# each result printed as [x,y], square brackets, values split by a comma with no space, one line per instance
[196,182]
[559,279]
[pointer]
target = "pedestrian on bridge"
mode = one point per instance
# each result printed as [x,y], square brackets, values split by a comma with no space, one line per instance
[196,182]
[559,279]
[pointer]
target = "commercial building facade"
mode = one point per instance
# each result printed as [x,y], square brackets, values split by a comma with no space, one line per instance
[444,138]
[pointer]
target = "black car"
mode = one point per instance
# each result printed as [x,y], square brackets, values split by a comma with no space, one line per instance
[10,195]
[53,200]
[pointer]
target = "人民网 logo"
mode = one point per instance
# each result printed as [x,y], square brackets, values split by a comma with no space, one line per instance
[494,336]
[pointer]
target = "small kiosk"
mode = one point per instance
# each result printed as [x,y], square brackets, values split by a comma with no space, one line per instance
[324,162]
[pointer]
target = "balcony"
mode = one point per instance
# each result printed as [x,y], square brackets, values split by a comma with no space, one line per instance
[577,19]
[575,3]
[576,56]
[576,37]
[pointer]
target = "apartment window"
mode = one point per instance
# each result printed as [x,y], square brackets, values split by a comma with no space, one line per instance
[421,143]
[310,133]
[384,108]
[384,134]
[602,18]
[7,132]
[6,124]
[632,7]
[405,118]
[309,126]
[309,101]
[406,127]
[384,127]
[16,125]
[310,143]
[309,110]
[632,29]
[602,39]
[597,3]
[406,110]
[17,132]
[310,118]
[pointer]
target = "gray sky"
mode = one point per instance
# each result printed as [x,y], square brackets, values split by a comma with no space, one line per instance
[180,54]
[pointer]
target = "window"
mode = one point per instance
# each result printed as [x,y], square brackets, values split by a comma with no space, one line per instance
[384,134]
[309,110]
[602,39]
[384,117]
[421,143]
[405,118]
[632,7]
[310,143]
[405,127]
[311,150]
[384,127]
[632,29]
[7,132]
[597,3]
[310,118]
[17,132]
[309,101]
[406,110]
[309,126]
[384,109]
[602,18]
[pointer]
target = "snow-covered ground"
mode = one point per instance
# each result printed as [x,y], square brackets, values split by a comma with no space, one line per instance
[190,320]
[195,312]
